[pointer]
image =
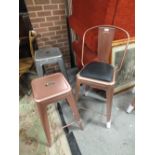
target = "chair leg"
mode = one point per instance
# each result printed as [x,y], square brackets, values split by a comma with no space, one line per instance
[77,90]
[131,107]
[109,96]
[44,120]
[85,90]
[75,111]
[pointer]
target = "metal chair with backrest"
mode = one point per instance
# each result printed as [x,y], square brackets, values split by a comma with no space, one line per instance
[100,73]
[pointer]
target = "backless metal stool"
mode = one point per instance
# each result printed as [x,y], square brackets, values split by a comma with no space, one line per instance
[49,89]
[46,56]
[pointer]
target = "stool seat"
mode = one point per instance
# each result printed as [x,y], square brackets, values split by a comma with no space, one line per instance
[48,87]
[47,54]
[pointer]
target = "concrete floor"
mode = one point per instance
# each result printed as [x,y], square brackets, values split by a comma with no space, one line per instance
[95,139]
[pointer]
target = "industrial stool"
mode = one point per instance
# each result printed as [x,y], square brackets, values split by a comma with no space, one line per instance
[46,56]
[49,89]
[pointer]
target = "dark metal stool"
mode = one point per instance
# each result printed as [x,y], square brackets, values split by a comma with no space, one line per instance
[46,56]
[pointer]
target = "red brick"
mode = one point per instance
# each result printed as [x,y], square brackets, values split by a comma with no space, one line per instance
[40,44]
[66,43]
[61,6]
[61,32]
[48,34]
[64,48]
[39,30]
[50,7]
[29,2]
[66,38]
[62,40]
[34,8]
[37,20]
[63,17]
[41,1]
[58,45]
[46,24]
[56,37]
[32,14]
[64,27]
[35,25]
[53,18]
[38,35]
[51,42]
[57,1]
[53,28]
[58,12]
[39,40]
[47,46]
[45,39]
[60,23]
[44,13]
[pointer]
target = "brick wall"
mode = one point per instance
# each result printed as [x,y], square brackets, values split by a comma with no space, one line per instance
[48,20]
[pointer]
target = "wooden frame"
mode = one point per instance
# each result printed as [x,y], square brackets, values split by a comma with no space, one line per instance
[126,76]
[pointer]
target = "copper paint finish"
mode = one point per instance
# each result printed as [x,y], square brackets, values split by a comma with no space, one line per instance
[105,37]
[49,89]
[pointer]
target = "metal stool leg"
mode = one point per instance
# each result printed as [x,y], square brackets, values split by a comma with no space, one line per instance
[131,107]
[39,69]
[62,67]
[77,90]
[73,106]
[44,119]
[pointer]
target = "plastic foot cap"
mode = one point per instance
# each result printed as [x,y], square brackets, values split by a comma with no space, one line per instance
[129,109]
[108,125]
[86,92]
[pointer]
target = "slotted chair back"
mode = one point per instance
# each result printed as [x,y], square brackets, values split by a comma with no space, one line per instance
[105,38]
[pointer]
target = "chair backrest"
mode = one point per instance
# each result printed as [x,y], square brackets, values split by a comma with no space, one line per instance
[32,37]
[105,38]
[106,35]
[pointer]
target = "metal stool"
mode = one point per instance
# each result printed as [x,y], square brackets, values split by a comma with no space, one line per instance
[50,55]
[49,89]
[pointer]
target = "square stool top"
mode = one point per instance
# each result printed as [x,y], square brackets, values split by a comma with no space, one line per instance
[47,53]
[50,86]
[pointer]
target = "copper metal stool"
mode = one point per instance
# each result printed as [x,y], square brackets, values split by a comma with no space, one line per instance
[50,89]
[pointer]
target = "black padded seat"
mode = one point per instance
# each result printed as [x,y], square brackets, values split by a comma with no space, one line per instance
[98,71]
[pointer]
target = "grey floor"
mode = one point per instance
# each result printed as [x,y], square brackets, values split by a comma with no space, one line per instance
[95,139]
